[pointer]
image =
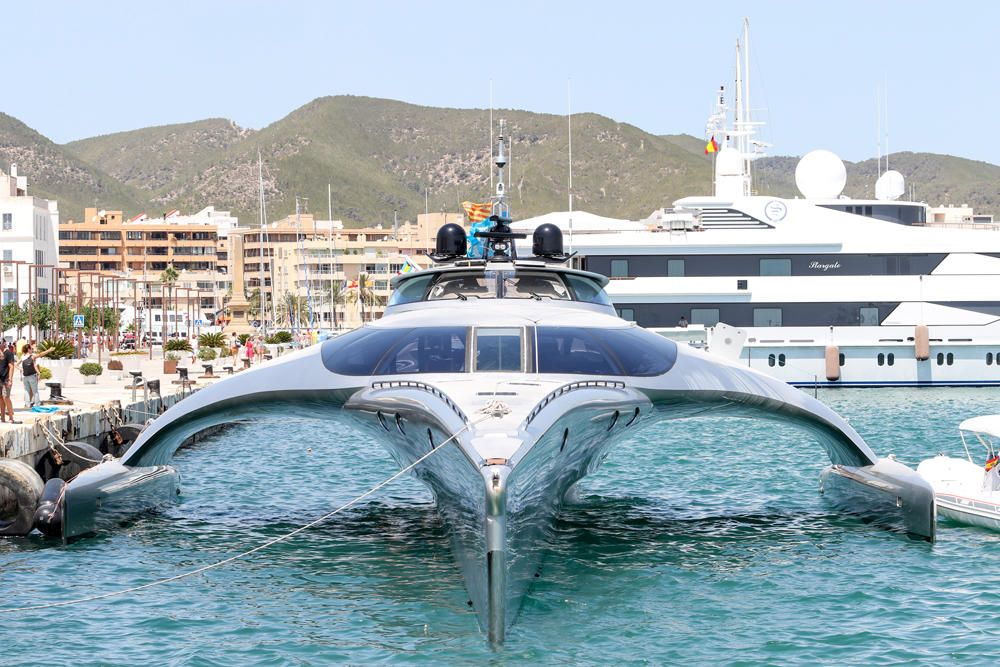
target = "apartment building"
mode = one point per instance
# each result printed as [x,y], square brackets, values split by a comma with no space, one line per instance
[322,263]
[29,244]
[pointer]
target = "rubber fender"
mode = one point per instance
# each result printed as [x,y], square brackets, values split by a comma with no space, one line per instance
[120,439]
[73,458]
[922,342]
[832,359]
[22,487]
[48,517]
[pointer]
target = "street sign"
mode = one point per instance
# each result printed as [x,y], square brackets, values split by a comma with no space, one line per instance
[78,321]
[198,323]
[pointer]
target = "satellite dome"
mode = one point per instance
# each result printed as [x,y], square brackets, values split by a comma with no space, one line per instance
[890,186]
[820,174]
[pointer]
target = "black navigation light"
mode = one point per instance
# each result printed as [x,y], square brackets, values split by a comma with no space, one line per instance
[451,243]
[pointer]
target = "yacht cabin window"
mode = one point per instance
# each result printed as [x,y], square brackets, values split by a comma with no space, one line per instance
[619,268]
[520,284]
[566,350]
[708,317]
[498,349]
[775,267]
[767,317]
[675,268]
[868,316]
[627,314]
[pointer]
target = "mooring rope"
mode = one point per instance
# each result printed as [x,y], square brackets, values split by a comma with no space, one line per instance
[261,547]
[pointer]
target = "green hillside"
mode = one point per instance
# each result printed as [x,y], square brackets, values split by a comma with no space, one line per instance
[382,155]
[56,173]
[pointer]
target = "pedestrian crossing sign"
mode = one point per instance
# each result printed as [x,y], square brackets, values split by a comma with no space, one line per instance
[78,321]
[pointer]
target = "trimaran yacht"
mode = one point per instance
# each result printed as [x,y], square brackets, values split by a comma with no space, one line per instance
[519,376]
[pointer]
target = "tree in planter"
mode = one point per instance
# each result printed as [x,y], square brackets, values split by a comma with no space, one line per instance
[61,349]
[14,317]
[178,345]
[207,354]
[91,369]
[168,277]
[211,340]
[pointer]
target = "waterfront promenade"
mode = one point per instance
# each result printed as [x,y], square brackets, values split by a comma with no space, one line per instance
[93,409]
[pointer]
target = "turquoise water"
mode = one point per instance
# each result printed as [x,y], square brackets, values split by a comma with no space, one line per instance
[702,542]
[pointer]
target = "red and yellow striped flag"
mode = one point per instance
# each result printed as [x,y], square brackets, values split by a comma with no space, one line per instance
[477,212]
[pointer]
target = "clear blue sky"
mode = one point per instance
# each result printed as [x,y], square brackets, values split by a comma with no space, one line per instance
[87,68]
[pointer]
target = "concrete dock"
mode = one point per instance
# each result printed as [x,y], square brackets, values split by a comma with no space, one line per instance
[96,408]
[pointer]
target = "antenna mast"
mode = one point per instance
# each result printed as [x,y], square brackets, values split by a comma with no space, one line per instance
[569,132]
[490,168]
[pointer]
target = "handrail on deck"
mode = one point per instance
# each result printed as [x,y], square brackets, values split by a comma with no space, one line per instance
[423,386]
[565,389]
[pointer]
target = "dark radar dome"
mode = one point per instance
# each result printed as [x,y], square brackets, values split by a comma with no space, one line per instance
[451,241]
[547,241]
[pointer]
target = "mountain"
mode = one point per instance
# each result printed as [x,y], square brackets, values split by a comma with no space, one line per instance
[382,156]
[54,172]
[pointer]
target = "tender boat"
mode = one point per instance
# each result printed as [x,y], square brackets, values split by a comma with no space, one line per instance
[966,491]
[514,378]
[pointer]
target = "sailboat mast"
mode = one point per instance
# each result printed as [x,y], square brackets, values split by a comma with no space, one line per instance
[263,224]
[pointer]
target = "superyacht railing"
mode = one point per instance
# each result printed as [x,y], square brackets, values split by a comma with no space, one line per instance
[421,386]
[565,389]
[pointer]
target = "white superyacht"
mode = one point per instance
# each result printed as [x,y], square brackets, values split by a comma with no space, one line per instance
[502,382]
[816,290]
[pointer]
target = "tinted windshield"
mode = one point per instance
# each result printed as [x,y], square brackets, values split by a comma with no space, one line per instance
[526,285]
[370,351]
[582,351]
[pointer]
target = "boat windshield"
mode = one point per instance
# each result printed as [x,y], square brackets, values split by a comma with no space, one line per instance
[520,284]
[629,351]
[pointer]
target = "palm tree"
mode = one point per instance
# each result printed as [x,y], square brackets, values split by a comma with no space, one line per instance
[168,278]
[336,295]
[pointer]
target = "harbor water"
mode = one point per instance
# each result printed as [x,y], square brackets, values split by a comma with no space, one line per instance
[703,542]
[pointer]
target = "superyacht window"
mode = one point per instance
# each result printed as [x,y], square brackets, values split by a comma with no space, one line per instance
[498,349]
[429,350]
[582,351]
[675,268]
[767,317]
[527,285]
[708,317]
[464,286]
[775,267]
[410,290]
[627,314]
[586,289]
[868,316]
[619,268]
[371,351]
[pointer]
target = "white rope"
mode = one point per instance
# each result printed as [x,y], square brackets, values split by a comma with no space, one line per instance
[244,554]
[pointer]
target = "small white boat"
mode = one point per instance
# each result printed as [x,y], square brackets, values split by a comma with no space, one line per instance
[966,491]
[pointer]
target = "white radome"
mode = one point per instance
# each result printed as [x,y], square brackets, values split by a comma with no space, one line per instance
[820,174]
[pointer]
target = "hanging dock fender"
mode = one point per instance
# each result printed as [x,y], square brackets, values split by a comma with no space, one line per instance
[922,342]
[25,487]
[832,357]
[48,517]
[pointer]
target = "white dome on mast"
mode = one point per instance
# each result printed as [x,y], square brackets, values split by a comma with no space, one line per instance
[820,174]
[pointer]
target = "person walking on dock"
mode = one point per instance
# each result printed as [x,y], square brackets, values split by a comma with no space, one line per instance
[8,364]
[29,374]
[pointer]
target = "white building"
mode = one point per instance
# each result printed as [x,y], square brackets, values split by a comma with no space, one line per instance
[221,220]
[29,238]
